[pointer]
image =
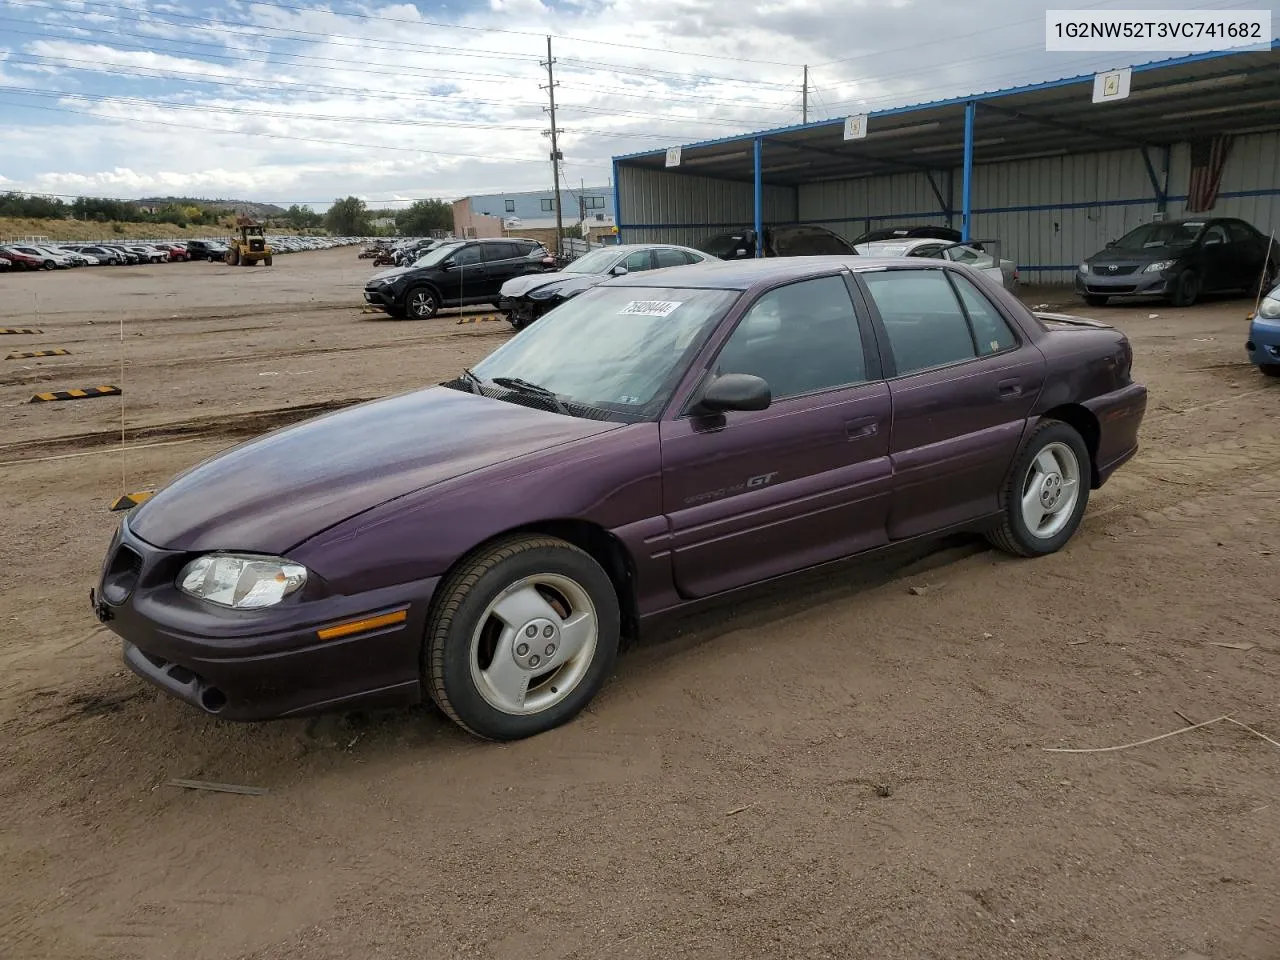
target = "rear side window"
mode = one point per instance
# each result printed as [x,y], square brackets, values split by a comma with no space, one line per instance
[670,258]
[501,251]
[922,317]
[1240,232]
[990,330]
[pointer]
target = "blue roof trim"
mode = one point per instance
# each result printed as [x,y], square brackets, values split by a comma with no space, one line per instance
[953,101]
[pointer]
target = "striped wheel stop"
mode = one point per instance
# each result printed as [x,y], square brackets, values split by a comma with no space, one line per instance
[38,353]
[81,393]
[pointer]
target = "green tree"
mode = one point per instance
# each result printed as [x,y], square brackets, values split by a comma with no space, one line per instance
[302,218]
[423,217]
[348,217]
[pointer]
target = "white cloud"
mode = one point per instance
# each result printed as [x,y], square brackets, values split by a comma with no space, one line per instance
[712,69]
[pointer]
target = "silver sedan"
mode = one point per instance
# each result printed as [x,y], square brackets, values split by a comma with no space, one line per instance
[972,254]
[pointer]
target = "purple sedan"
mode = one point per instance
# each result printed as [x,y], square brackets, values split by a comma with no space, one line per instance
[663,439]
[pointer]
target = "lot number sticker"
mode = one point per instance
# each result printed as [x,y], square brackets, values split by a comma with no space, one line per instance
[650,308]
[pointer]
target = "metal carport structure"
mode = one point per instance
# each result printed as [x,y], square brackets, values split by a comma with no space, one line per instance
[1042,166]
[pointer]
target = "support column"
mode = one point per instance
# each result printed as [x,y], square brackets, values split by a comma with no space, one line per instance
[759,198]
[617,204]
[966,188]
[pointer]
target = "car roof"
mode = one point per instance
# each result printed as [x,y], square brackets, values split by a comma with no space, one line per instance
[745,274]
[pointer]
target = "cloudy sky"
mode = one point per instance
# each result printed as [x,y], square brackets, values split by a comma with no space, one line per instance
[292,101]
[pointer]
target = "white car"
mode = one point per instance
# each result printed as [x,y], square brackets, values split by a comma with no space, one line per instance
[972,254]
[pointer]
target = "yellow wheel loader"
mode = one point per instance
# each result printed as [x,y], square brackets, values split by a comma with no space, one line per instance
[248,245]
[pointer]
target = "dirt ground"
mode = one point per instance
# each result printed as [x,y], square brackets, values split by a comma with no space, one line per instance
[838,767]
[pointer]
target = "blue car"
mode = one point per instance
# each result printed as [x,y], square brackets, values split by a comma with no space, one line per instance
[1264,334]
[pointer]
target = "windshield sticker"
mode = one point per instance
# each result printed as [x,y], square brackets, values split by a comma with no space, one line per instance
[1194,224]
[650,308]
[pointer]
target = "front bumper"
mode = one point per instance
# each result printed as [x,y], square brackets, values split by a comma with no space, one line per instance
[1263,345]
[265,664]
[1124,285]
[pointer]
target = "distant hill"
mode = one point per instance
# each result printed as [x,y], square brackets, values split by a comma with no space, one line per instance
[259,211]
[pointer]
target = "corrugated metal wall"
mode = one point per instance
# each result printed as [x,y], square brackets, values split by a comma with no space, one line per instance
[1253,167]
[655,205]
[1049,213]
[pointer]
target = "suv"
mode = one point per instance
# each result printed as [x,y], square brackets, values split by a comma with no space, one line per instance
[203,250]
[456,274]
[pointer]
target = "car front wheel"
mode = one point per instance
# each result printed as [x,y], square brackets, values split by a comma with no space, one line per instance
[1186,289]
[1270,369]
[422,303]
[522,636]
[1047,493]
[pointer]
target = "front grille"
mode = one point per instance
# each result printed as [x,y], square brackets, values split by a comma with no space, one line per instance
[257,245]
[1122,288]
[1114,270]
[122,575]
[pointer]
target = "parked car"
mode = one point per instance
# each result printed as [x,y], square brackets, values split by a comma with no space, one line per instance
[74,258]
[1003,272]
[1263,345]
[1179,260]
[929,231]
[5,263]
[660,440]
[130,256]
[526,298]
[175,251]
[454,274]
[204,250]
[26,261]
[103,254]
[798,240]
[48,260]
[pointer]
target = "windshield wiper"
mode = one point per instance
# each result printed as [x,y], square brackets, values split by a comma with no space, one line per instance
[531,389]
[472,379]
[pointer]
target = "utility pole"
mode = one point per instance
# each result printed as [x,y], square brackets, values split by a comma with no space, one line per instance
[804,97]
[555,149]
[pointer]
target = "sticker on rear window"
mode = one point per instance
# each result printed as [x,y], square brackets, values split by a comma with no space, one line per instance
[650,308]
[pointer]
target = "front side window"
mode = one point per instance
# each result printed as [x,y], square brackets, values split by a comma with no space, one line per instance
[638,261]
[469,255]
[618,349]
[800,339]
[924,321]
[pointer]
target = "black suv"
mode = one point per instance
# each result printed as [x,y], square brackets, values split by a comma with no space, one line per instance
[205,250]
[455,274]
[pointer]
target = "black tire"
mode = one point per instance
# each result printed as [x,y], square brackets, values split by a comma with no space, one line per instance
[267,261]
[462,600]
[233,257]
[1013,535]
[48,265]
[1186,289]
[1096,299]
[1270,369]
[421,303]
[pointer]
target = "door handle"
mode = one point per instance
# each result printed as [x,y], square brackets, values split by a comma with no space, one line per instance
[864,427]
[1009,389]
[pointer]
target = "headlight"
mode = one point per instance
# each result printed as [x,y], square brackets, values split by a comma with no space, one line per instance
[241,581]
[1269,308]
[1158,266]
[544,293]
[1084,268]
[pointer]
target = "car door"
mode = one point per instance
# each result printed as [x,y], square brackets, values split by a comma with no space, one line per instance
[962,382]
[1221,268]
[503,261]
[751,495]
[669,257]
[1250,252]
[467,279]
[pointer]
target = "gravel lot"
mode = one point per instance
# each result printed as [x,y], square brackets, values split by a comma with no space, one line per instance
[838,767]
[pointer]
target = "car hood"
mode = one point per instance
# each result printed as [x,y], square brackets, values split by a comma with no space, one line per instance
[566,282]
[390,274]
[272,493]
[1145,255]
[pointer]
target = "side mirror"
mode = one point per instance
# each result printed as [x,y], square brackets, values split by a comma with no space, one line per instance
[735,391]
[619,271]
[1110,244]
[1213,241]
[448,265]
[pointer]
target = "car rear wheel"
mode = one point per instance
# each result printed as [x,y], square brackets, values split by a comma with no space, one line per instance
[422,303]
[522,636]
[1096,300]
[48,265]
[1186,289]
[1047,493]
[1270,369]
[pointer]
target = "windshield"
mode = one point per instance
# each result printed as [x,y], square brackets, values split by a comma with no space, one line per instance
[437,255]
[618,349]
[597,261]
[724,245]
[1177,234]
